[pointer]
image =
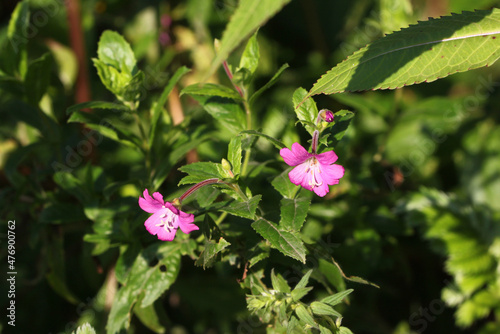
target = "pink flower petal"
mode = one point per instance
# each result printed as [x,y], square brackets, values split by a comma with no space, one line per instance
[331,174]
[149,204]
[158,197]
[322,189]
[327,158]
[186,224]
[298,174]
[165,235]
[296,156]
[152,221]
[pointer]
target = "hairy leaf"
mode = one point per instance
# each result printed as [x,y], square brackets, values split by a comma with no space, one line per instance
[288,243]
[423,52]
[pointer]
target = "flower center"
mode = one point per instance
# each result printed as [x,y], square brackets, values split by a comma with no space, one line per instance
[167,221]
[314,169]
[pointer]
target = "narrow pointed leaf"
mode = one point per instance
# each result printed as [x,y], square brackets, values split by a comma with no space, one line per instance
[249,15]
[423,52]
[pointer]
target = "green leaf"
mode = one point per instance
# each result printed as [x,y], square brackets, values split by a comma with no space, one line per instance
[279,283]
[304,280]
[298,293]
[201,171]
[234,154]
[273,141]
[320,308]
[153,271]
[163,99]
[288,243]
[283,184]
[306,111]
[212,249]
[227,111]
[149,317]
[250,57]
[114,80]
[344,330]
[18,25]
[342,120]
[107,126]
[84,329]
[249,15]
[305,315]
[211,89]
[423,52]
[37,78]
[56,273]
[269,84]
[97,105]
[114,50]
[336,298]
[243,209]
[293,213]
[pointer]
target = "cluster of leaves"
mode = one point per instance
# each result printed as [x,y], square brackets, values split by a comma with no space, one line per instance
[469,238]
[80,172]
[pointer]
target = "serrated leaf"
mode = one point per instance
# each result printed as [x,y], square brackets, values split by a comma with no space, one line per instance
[288,243]
[284,186]
[37,78]
[211,89]
[344,330]
[293,213]
[269,84]
[234,154]
[97,105]
[243,209]
[273,141]
[420,53]
[200,171]
[306,110]
[209,254]
[336,298]
[114,50]
[320,308]
[153,271]
[249,15]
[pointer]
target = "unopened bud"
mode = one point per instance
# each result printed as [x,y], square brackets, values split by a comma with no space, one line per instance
[226,164]
[326,115]
[176,202]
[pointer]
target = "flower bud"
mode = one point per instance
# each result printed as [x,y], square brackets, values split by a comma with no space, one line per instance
[226,164]
[326,115]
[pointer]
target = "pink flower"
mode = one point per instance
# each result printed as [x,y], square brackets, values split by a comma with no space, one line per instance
[314,171]
[166,218]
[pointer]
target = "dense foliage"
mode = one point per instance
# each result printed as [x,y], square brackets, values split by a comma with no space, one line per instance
[298,185]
